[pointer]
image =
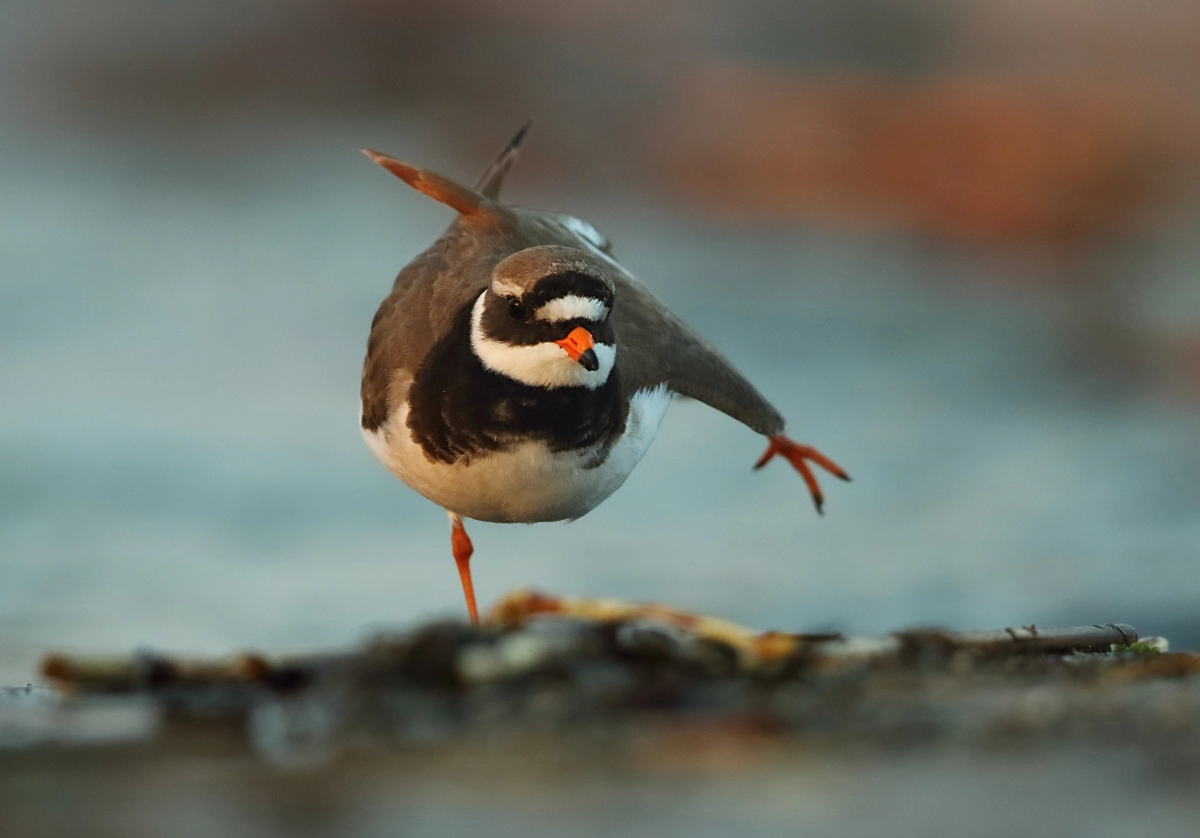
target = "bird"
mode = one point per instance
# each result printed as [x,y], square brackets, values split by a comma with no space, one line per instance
[517,373]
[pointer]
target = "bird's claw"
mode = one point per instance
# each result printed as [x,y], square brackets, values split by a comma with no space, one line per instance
[798,455]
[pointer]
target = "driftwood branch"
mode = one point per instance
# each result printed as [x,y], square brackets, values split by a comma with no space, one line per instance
[753,651]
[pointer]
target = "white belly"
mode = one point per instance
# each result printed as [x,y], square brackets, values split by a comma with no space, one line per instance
[526,483]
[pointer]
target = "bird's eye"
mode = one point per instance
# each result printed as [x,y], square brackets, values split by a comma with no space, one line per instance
[515,309]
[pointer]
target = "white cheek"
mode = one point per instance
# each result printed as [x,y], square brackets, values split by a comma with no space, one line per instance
[540,365]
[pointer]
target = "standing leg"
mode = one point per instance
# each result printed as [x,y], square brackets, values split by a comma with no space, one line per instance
[460,544]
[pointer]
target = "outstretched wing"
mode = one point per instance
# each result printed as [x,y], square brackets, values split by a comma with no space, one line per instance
[655,347]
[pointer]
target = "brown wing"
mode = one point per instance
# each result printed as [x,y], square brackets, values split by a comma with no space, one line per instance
[655,347]
[431,290]
[425,298]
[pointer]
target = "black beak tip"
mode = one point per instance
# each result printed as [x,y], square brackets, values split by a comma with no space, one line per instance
[589,361]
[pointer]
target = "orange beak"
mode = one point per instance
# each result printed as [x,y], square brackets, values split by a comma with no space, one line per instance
[579,345]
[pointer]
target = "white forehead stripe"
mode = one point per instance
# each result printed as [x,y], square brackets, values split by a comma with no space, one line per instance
[506,289]
[540,365]
[572,307]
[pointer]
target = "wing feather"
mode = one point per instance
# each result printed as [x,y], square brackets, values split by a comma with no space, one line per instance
[656,347]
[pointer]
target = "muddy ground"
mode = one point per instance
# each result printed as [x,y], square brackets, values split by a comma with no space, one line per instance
[562,726]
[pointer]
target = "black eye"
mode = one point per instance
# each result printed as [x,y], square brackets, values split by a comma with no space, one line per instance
[515,310]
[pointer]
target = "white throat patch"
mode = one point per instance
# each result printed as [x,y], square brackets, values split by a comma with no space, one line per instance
[540,365]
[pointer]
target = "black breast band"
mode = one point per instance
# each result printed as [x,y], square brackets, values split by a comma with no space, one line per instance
[458,408]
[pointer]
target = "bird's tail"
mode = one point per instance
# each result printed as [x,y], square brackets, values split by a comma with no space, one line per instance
[483,199]
[493,177]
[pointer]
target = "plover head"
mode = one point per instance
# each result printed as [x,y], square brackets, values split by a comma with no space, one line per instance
[543,321]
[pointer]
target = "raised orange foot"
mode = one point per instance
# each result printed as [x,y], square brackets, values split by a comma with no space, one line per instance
[797,454]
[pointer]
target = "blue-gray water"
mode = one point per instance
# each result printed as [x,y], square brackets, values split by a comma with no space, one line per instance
[180,467]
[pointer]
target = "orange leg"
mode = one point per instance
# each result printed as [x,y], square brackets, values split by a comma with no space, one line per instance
[797,454]
[460,544]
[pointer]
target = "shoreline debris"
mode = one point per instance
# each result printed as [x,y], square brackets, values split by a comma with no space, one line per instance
[603,668]
[526,629]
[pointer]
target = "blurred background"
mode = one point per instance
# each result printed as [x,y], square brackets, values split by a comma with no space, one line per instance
[954,241]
